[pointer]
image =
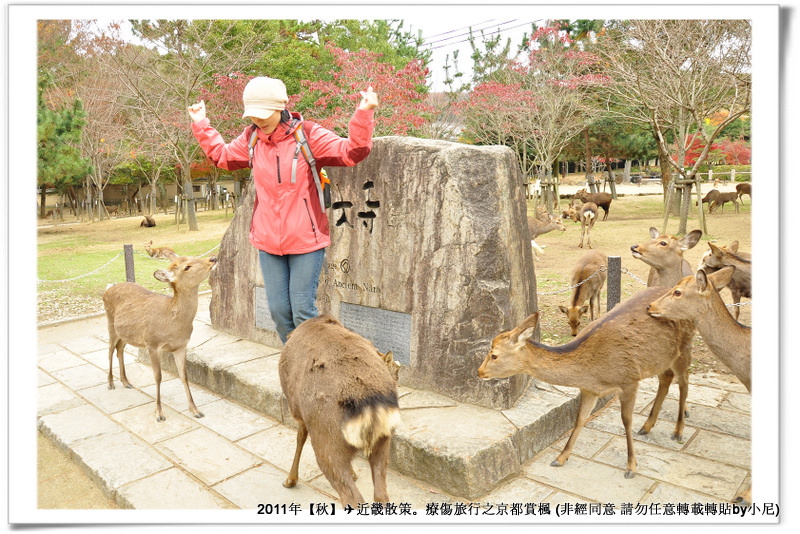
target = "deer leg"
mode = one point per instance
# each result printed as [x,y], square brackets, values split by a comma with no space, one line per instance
[589,236]
[334,458]
[180,363]
[681,367]
[737,297]
[377,462]
[302,434]
[627,400]
[155,363]
[583,229]
[112,345]
[587,403]
[664,381]
[121,357]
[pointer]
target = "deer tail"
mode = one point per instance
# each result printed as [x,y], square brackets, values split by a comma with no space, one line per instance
[368,420]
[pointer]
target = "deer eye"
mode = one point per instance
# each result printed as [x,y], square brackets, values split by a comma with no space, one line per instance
[494,356]
[187,267]
[677,293]
[663,243]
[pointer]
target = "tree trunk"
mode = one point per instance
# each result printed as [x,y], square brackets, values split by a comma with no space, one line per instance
[191,215]
[589,177]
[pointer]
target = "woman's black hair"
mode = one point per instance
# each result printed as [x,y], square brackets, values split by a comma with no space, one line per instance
[286,116]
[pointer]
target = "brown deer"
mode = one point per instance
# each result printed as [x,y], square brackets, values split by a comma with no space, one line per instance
[537,227]
[144,319]
[588,216]
[588,277]
[664,255]
[603,200]
[710,197]
[723,198]
[611,355]
[744,189]
[740,284]
[160,253]
[343,394]
[148,222]
[696,299]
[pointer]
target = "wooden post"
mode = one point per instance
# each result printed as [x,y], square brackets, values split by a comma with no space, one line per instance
[613,281]
[130,273]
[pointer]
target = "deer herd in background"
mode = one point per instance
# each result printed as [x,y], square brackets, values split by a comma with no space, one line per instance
[343,393]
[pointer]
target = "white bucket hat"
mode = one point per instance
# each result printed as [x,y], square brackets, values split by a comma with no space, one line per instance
[264,96]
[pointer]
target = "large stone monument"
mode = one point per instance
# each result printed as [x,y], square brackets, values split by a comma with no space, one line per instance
[430,258]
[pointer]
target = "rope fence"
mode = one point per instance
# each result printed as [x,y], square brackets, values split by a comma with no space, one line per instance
[613,285]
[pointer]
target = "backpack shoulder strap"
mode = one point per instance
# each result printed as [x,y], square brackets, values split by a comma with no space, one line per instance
[252,143]
[303,147]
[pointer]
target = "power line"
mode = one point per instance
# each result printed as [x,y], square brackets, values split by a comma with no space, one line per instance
[489,33]
[472,27]
[456,30]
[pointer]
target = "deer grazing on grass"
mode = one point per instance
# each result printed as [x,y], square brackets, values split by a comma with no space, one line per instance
[710,197]
[160,253]
[721,199]
[718,257]
[343,394]
[144,319]
[610,355]
[744,189]
[603,200]
[588,216]
[696,299]
[588,277]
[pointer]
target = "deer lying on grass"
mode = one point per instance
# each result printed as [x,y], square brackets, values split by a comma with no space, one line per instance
[721,199]
[696,298]
[664,255]
[144,319]
[744,189]
[740,284]
[148,222]
[160,253]
[611,355]
[588,216]
[589,275]
[603,200]
[343,394]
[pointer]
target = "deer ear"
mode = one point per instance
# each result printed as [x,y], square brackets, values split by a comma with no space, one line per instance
[733,247]
[722,277]
[701,280]
[164,276]
[653,232]
[388,357]
[563,309]
[715,250]
[525,330]
[691,239]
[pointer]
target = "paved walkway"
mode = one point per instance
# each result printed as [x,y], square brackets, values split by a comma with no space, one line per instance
[237,456]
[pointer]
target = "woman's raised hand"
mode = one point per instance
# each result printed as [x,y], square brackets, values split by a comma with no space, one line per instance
[197,111]
[369,100]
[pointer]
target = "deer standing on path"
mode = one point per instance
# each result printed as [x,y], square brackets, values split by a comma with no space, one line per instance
[664,255]
[343,394]
[611,355]
[696,299]
[740,284]
[744,189]
[145,319]
[160,253]
[588,277]
[588,216]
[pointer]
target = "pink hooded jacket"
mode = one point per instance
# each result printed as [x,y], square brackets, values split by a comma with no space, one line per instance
[287,217]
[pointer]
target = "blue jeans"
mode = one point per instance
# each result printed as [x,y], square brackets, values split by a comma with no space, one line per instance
[291,284]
